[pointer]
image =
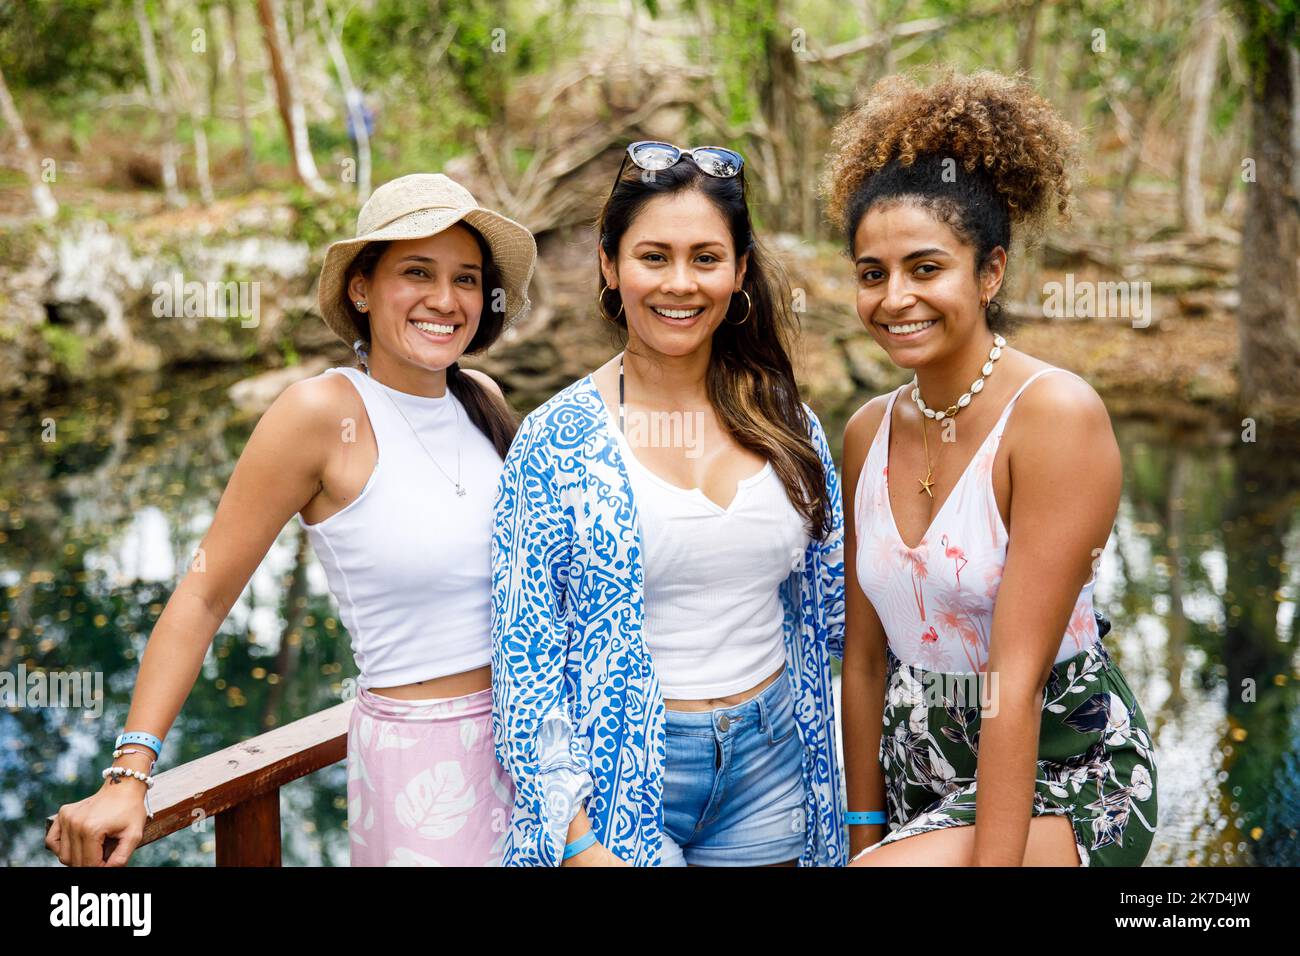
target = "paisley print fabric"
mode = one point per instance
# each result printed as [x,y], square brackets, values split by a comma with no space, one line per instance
[1096,766]
[424,786]
[578,713]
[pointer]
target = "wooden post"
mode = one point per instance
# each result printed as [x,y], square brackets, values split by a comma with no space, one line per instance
[248,834]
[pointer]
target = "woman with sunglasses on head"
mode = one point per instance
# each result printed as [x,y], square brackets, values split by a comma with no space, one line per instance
[981,495]
[392,472]
[666,610]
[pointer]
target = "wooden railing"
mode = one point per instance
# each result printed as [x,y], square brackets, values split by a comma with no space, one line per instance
[239,787]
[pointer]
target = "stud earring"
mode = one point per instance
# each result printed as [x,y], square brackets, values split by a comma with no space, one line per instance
[361,305]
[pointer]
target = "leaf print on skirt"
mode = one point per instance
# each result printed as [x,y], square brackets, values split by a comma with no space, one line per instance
[1096,765]
[436,802]
[424,785]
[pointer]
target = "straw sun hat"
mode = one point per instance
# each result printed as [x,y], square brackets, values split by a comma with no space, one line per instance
[416,206]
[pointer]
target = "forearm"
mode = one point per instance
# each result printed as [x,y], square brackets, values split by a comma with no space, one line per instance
[172,659]
[579,825]
[862,692]
[1007,770]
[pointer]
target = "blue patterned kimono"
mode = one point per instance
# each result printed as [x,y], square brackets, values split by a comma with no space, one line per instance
[577,709]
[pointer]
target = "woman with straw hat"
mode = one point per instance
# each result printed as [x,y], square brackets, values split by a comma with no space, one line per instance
[393,473]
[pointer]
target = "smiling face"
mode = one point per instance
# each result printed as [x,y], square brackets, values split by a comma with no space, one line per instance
[676,272]
[918,292]
[424,298]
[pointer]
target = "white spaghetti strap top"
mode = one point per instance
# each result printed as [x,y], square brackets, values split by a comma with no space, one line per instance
[936,600]
[408,560]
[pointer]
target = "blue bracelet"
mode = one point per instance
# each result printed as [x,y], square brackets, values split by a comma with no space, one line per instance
[854,817]
[580,844]
[140,737]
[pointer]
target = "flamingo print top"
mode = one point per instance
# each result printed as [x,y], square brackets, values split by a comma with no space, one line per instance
[936,600]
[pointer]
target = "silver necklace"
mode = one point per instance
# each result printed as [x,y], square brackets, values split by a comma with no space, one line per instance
[977,386]
[460,490]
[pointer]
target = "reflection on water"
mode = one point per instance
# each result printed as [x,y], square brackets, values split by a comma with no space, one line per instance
[97,525]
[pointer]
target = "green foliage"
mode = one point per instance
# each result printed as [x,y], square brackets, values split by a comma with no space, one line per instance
[68,46]
[1264,24]
[317,221]
[66,346]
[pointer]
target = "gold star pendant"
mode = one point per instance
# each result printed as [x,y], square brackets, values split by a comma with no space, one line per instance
[926,484]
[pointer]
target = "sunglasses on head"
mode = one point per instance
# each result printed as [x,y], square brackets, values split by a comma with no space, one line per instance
[712,160]
[652,156]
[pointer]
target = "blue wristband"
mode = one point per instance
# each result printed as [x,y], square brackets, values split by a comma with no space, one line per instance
[140,737]
[580,844]
[854,817]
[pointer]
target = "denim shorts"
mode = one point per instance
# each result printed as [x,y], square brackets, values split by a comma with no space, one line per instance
[733,783]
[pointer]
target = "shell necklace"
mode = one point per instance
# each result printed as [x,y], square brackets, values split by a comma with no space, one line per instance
[951,411]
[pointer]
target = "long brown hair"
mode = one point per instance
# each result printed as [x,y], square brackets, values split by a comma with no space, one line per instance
[489,414]
[750,379]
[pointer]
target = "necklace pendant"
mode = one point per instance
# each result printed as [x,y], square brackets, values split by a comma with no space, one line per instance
[926,484]
[460,491]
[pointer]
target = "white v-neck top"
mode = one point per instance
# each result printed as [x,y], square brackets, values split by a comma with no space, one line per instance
[713,616]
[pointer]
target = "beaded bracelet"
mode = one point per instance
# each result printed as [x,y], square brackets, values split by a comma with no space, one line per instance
[855,817]
[127,772]
[117,773]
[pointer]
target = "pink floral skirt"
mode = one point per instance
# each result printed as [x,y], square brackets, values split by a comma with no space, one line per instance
[424,786]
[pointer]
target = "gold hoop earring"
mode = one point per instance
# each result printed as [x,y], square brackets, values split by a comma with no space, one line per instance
[749,311]
[600,306]
[984,302]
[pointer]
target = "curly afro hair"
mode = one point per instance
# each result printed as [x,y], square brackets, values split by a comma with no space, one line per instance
[982,152]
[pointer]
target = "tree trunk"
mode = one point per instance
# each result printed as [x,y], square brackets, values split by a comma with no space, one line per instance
[280,52]
[352,100]
[161,103]
[1295,119]
[1205,58]
[784,99]
[41,195]
[1027,49]
[188,100]
[1269,318]
[214,61]
[245,131]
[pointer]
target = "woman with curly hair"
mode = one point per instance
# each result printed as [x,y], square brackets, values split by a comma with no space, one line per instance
[980,505]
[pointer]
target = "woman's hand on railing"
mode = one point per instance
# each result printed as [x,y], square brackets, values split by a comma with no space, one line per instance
[116,812]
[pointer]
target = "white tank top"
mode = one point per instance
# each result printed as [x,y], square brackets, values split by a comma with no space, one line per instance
[408,560]
[936,600]
[713,619]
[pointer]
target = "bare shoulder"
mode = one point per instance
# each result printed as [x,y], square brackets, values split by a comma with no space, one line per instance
[485,380]
[314,406]
[1063,431]
[861,429]
[320,395]
[1063,404]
